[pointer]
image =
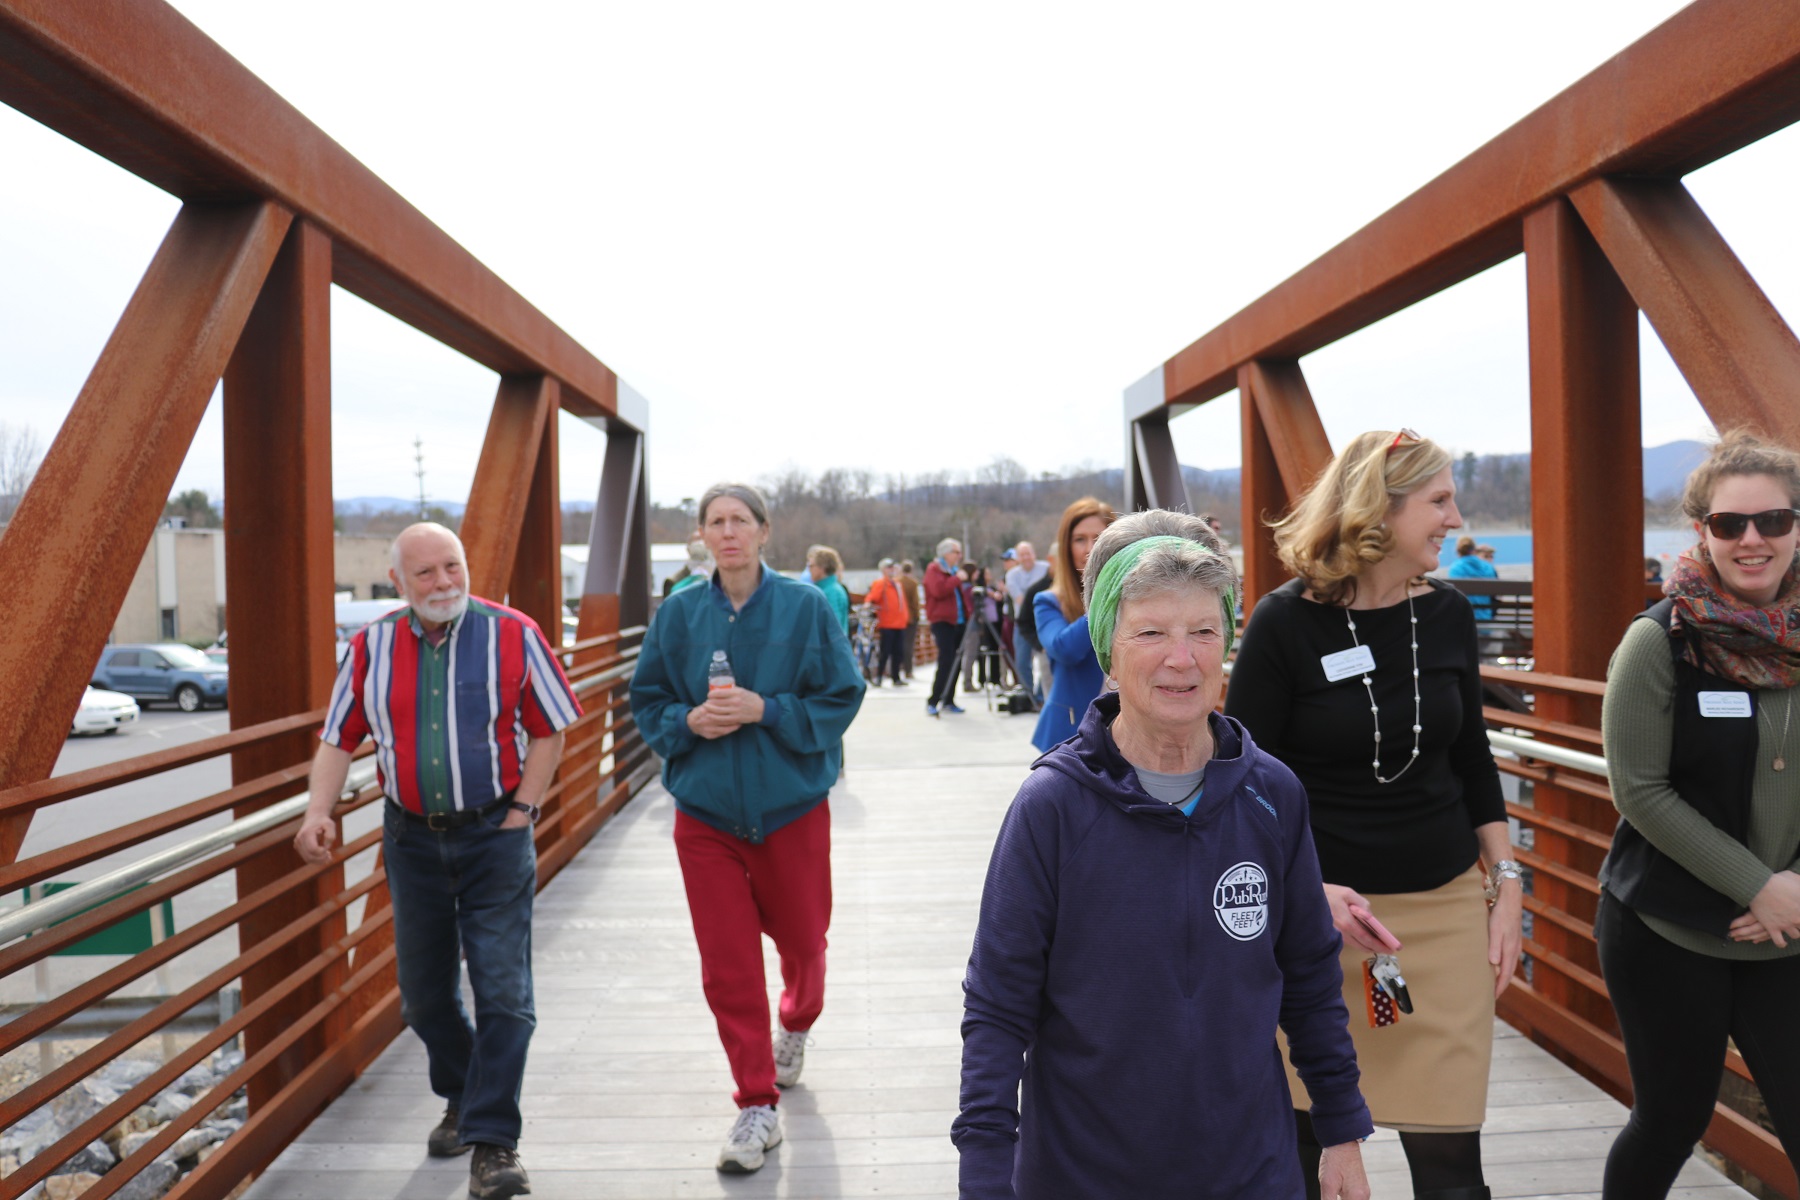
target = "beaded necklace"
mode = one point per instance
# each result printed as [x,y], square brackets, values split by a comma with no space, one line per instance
[1375,710]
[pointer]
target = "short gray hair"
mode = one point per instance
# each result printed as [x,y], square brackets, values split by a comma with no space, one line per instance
[947,545]
[753,500]
[698,553]
[1162,568]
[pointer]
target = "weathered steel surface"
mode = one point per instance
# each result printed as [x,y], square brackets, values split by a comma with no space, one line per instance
[1296,435]
[279,568]
[618,547]
[81,528]
[1153,478]
[1586,489]
[1714,77]
[523,408]
[136,82]
[1261,496]
[1736,352]
[535,588]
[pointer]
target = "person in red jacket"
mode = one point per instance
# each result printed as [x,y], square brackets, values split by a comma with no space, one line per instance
[949,615]
[890,618]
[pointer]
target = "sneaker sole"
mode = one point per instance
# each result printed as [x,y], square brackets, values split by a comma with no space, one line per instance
[505,1191]
[744,1166]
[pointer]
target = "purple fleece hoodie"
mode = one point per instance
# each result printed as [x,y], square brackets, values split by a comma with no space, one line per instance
[1130,967]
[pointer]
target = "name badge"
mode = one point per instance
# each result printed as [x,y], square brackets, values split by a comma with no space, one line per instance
[1725,704]
[1360,661]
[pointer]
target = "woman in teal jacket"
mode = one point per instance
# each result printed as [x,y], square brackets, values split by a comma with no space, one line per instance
[749,759]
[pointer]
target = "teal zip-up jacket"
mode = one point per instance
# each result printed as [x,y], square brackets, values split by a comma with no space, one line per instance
[786,645]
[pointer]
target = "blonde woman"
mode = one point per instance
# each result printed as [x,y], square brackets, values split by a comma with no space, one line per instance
[1062,624]
[1361,675]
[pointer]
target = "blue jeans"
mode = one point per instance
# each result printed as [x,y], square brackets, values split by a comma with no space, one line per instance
[1022,652]
[466,893]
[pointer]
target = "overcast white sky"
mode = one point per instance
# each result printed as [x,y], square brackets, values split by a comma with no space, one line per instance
[903,238]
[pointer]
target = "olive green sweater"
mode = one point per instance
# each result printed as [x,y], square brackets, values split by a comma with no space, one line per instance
[1637,724]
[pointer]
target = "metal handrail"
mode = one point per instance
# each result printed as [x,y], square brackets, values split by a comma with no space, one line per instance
[42,914]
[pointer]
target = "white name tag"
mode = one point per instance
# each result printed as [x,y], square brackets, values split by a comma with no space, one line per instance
[1725,704]
[1358,661]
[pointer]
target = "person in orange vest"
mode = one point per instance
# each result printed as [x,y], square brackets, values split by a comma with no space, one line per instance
[891,618]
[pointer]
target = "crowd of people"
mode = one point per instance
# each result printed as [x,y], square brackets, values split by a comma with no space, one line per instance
[1184,977]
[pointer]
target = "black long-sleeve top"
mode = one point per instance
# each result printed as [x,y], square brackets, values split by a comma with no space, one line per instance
[1418,832]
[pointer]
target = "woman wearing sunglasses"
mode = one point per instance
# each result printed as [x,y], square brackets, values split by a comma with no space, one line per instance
[1361,675]
[1700,909]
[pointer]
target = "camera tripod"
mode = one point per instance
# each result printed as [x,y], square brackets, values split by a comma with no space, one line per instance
[973,647]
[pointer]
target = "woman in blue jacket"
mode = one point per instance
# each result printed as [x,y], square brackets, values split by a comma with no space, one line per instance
[749,756]
[1062,624]
[1153,911]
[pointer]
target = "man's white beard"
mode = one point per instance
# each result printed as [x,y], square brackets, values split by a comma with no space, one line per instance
[442,607]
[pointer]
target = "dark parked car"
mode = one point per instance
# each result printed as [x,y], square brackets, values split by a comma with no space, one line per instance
[167,671]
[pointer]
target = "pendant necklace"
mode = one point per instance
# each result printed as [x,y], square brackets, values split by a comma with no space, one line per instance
[1787,710]
[1375,709]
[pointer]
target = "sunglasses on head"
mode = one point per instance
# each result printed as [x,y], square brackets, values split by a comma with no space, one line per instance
[1776,522]
[1405,435]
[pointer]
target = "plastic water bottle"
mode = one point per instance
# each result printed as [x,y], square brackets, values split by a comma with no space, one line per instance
[718,673]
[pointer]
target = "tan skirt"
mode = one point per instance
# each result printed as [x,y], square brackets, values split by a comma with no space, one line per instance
[1428,1073]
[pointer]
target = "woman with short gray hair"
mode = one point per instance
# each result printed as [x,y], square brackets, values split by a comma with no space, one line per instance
[949,616]
[1153,911]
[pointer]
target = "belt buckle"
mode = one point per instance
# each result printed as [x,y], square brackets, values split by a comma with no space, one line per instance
[432,819]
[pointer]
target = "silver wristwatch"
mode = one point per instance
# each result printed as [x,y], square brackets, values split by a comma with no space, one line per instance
[1506,868]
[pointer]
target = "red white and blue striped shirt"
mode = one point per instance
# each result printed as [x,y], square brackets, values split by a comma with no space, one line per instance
[451,722]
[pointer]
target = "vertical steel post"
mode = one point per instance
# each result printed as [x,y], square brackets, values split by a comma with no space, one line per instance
[1587,506]
[1261,494]
[279,577]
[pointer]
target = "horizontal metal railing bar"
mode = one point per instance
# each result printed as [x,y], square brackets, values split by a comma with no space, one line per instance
[1544,681]
[1561,826]
[1556,777]
[1562,756]
[42,1090]
[1560,871]
[595,642]
[28,797]
[37,1168]
[47,1015]
[47,912]
[1541,726]
[588,683]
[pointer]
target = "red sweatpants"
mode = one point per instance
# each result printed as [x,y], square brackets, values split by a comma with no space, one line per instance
[737,892]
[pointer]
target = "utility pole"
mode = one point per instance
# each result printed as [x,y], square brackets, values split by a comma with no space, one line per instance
[419,470]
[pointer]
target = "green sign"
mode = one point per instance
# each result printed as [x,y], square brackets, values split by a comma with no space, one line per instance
[133,935]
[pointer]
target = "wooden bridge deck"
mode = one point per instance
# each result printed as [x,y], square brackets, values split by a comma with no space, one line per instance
[628,1093]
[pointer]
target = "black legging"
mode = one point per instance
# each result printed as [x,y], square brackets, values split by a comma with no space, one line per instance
[889,661]
[1676,1009]
[949,639]
[1444,1166]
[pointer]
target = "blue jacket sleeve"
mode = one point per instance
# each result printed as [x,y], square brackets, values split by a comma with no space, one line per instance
[828,689]
[660,712]
[1312,999]
[1003,999]
[1065,641]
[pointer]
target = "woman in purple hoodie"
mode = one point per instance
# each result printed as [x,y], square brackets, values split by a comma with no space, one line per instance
[1152,912]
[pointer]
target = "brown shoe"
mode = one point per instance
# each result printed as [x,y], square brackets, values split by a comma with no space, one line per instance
[444,1141]
[496,1173]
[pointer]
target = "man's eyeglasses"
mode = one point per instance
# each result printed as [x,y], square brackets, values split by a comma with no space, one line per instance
[1730,526]
[1405,435]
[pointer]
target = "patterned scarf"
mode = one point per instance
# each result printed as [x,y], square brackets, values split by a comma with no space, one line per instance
[1754,647]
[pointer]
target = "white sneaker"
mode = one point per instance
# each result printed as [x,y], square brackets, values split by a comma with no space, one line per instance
[757,1128]
[790,1056]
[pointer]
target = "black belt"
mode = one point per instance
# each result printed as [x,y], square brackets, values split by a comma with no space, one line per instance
[443,822]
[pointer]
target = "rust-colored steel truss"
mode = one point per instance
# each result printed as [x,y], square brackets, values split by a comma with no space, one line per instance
[1588,188]
[274,213]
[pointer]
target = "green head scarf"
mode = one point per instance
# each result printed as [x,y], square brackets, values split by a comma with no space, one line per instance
[1103,608]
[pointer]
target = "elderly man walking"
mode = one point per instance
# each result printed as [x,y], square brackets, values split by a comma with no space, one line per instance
[1025,571]
[466,703]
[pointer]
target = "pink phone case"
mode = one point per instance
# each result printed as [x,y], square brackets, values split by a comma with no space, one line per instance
[1368,921]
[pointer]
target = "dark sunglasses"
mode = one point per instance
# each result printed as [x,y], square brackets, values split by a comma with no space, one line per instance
[1776,522]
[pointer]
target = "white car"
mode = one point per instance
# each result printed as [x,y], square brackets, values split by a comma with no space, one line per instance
[103,712]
